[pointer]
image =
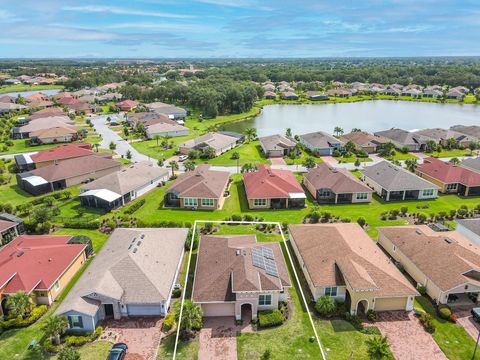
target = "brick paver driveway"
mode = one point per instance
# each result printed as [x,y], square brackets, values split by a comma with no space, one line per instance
[141,334]
[466,320]
[277,161]
[408,340]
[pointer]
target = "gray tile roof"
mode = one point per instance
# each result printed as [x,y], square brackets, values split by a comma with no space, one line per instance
[135,266]
[471,224]
[472,164]
[276,142]
[403,137]
[320,139]
[216,141]
[394,178]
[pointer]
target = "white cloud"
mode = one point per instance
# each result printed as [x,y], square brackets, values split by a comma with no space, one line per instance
[162,26]
[123,11]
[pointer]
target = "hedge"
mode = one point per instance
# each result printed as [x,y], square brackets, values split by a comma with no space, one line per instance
[132,208]
[79,224]
[20,322]
[270,318]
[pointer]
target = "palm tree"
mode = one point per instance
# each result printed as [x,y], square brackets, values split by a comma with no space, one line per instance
[112,146]
[411,164]
[236,156]
[356,130]
[378,348]
[288,133]
[309,162]
[174,166]
[192,315]
[128,155]
[161,162]
[20,304]
[454,161]
[156,137]
[251,134]
[338,130]
[326,306]
[189,165]
[350,146]
[55,326]
[472,146]
[452,143]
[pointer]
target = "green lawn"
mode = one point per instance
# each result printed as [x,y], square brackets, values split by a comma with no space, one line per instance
[249,153]
[24,87]
[450,153]
[352,159]
[453,339]
[299,160]
[401,156]
[185,350]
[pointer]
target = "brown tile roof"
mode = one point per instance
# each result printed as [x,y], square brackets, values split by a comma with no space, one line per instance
[276,142]
[444,257]
[268,183]
[334,251]
[201,183]
[76,167]
[364,139]
[340,181]
[225,266]
[53,132]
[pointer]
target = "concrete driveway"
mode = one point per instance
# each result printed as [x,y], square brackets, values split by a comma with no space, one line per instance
[141,334]
[108,135]
[408,340]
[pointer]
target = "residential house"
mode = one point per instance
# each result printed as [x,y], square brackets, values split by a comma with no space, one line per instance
[270,95]
[339,93]
[134,274]
[412,92]
[10,227]
[276,145]
[237,276]
[127,105]
[442,136]
[57,134]
[40,265]
[51,122]
[269,188]
[109,97]
[315,95]
[119,188]
[166,129]
[7,99]
[445,263]
[405,139]
[365,141]
[455,94]
[66,173]
[148,118]
[449,177]
[470,228]
[472,130]
[6,108]
[269,87]
[48,112]
[172,111]
[321,143]
[52,156]
[472,164]
[393,183]
[201,188]
[432,93]
[329,185]
[289,95]
[341,261]
[220,143]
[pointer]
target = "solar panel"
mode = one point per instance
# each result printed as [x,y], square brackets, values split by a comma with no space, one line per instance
[257,258]
[268,253]
[271,267]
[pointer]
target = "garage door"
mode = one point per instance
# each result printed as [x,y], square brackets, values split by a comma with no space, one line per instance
[386,304]
[144,310]
[218,309]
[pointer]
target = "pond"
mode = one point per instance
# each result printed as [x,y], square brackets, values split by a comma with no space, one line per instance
[367,115]
[48,92]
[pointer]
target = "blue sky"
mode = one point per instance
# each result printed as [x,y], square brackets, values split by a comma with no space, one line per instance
[238,28]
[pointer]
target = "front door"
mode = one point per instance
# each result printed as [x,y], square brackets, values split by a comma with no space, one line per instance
[108,310]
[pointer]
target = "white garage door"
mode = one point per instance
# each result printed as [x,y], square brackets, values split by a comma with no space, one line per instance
[141,310]
[218,309]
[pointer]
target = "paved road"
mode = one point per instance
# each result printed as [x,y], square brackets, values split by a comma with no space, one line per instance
[108,135]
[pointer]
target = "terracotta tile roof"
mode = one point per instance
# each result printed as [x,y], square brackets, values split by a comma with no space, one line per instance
[340,181]
[35,262]
[444,257]
[225,266]
[448,173]
[127,104]
[335,254]
[75,167]
[267,183]
[62,152]
[35,97]
[68,101]
[201,183]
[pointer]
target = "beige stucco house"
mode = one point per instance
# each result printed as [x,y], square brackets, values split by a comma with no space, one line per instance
[342,261]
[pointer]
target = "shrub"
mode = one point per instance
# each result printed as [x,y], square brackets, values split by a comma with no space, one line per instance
[270,318]
[96,334]
[371,315]
[68,353]
[176,293]
[377,347]
[371,330]
[346,220]
[236,217]
[354,320]
[81,224]
[132,208]
[248,218]
[325,306]
[49,347]
[444,312]
[169,322]
[404,210]
[315,216]
[73,340]
[361,221]
[426,320]
[422,290]
[453,317]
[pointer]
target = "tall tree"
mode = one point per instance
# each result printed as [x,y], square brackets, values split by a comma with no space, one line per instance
[192,315]
[174,166]
[251,134]
[338,131]
[54,326]
[112,146]
[20,304]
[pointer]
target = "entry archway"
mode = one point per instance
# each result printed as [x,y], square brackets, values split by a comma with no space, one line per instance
[246,312]
[362,307]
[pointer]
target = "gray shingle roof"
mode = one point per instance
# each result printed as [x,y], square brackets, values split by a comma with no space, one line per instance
[471,224]
[276,142]
[472,164]
[320,139]
[394,178]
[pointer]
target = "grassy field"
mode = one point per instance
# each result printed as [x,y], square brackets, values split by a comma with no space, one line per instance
[24,87]
[249,153]
[453,339]
[352,159]
[401,156]
[450,153]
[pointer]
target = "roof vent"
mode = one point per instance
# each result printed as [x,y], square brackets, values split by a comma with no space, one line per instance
[237,252]
[139,243]
[448,240]
[135,250]
[418,232]
[21,253]
[142,236]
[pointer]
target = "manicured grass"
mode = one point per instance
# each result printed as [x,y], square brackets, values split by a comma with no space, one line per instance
[452,338]
[185,350]
[21,146]
[352,159]
[98,238]
[24,87]
[450,153]
[299,160]
[249,153]
[401,156]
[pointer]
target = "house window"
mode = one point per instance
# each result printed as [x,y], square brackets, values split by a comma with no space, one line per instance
[56,286]
[452,186]
[324,192]
[265,299]
[362,196]
[331,291]
[207,202]
[428,192]
[75,321]
[191,201]
[260,202]
[394,248]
